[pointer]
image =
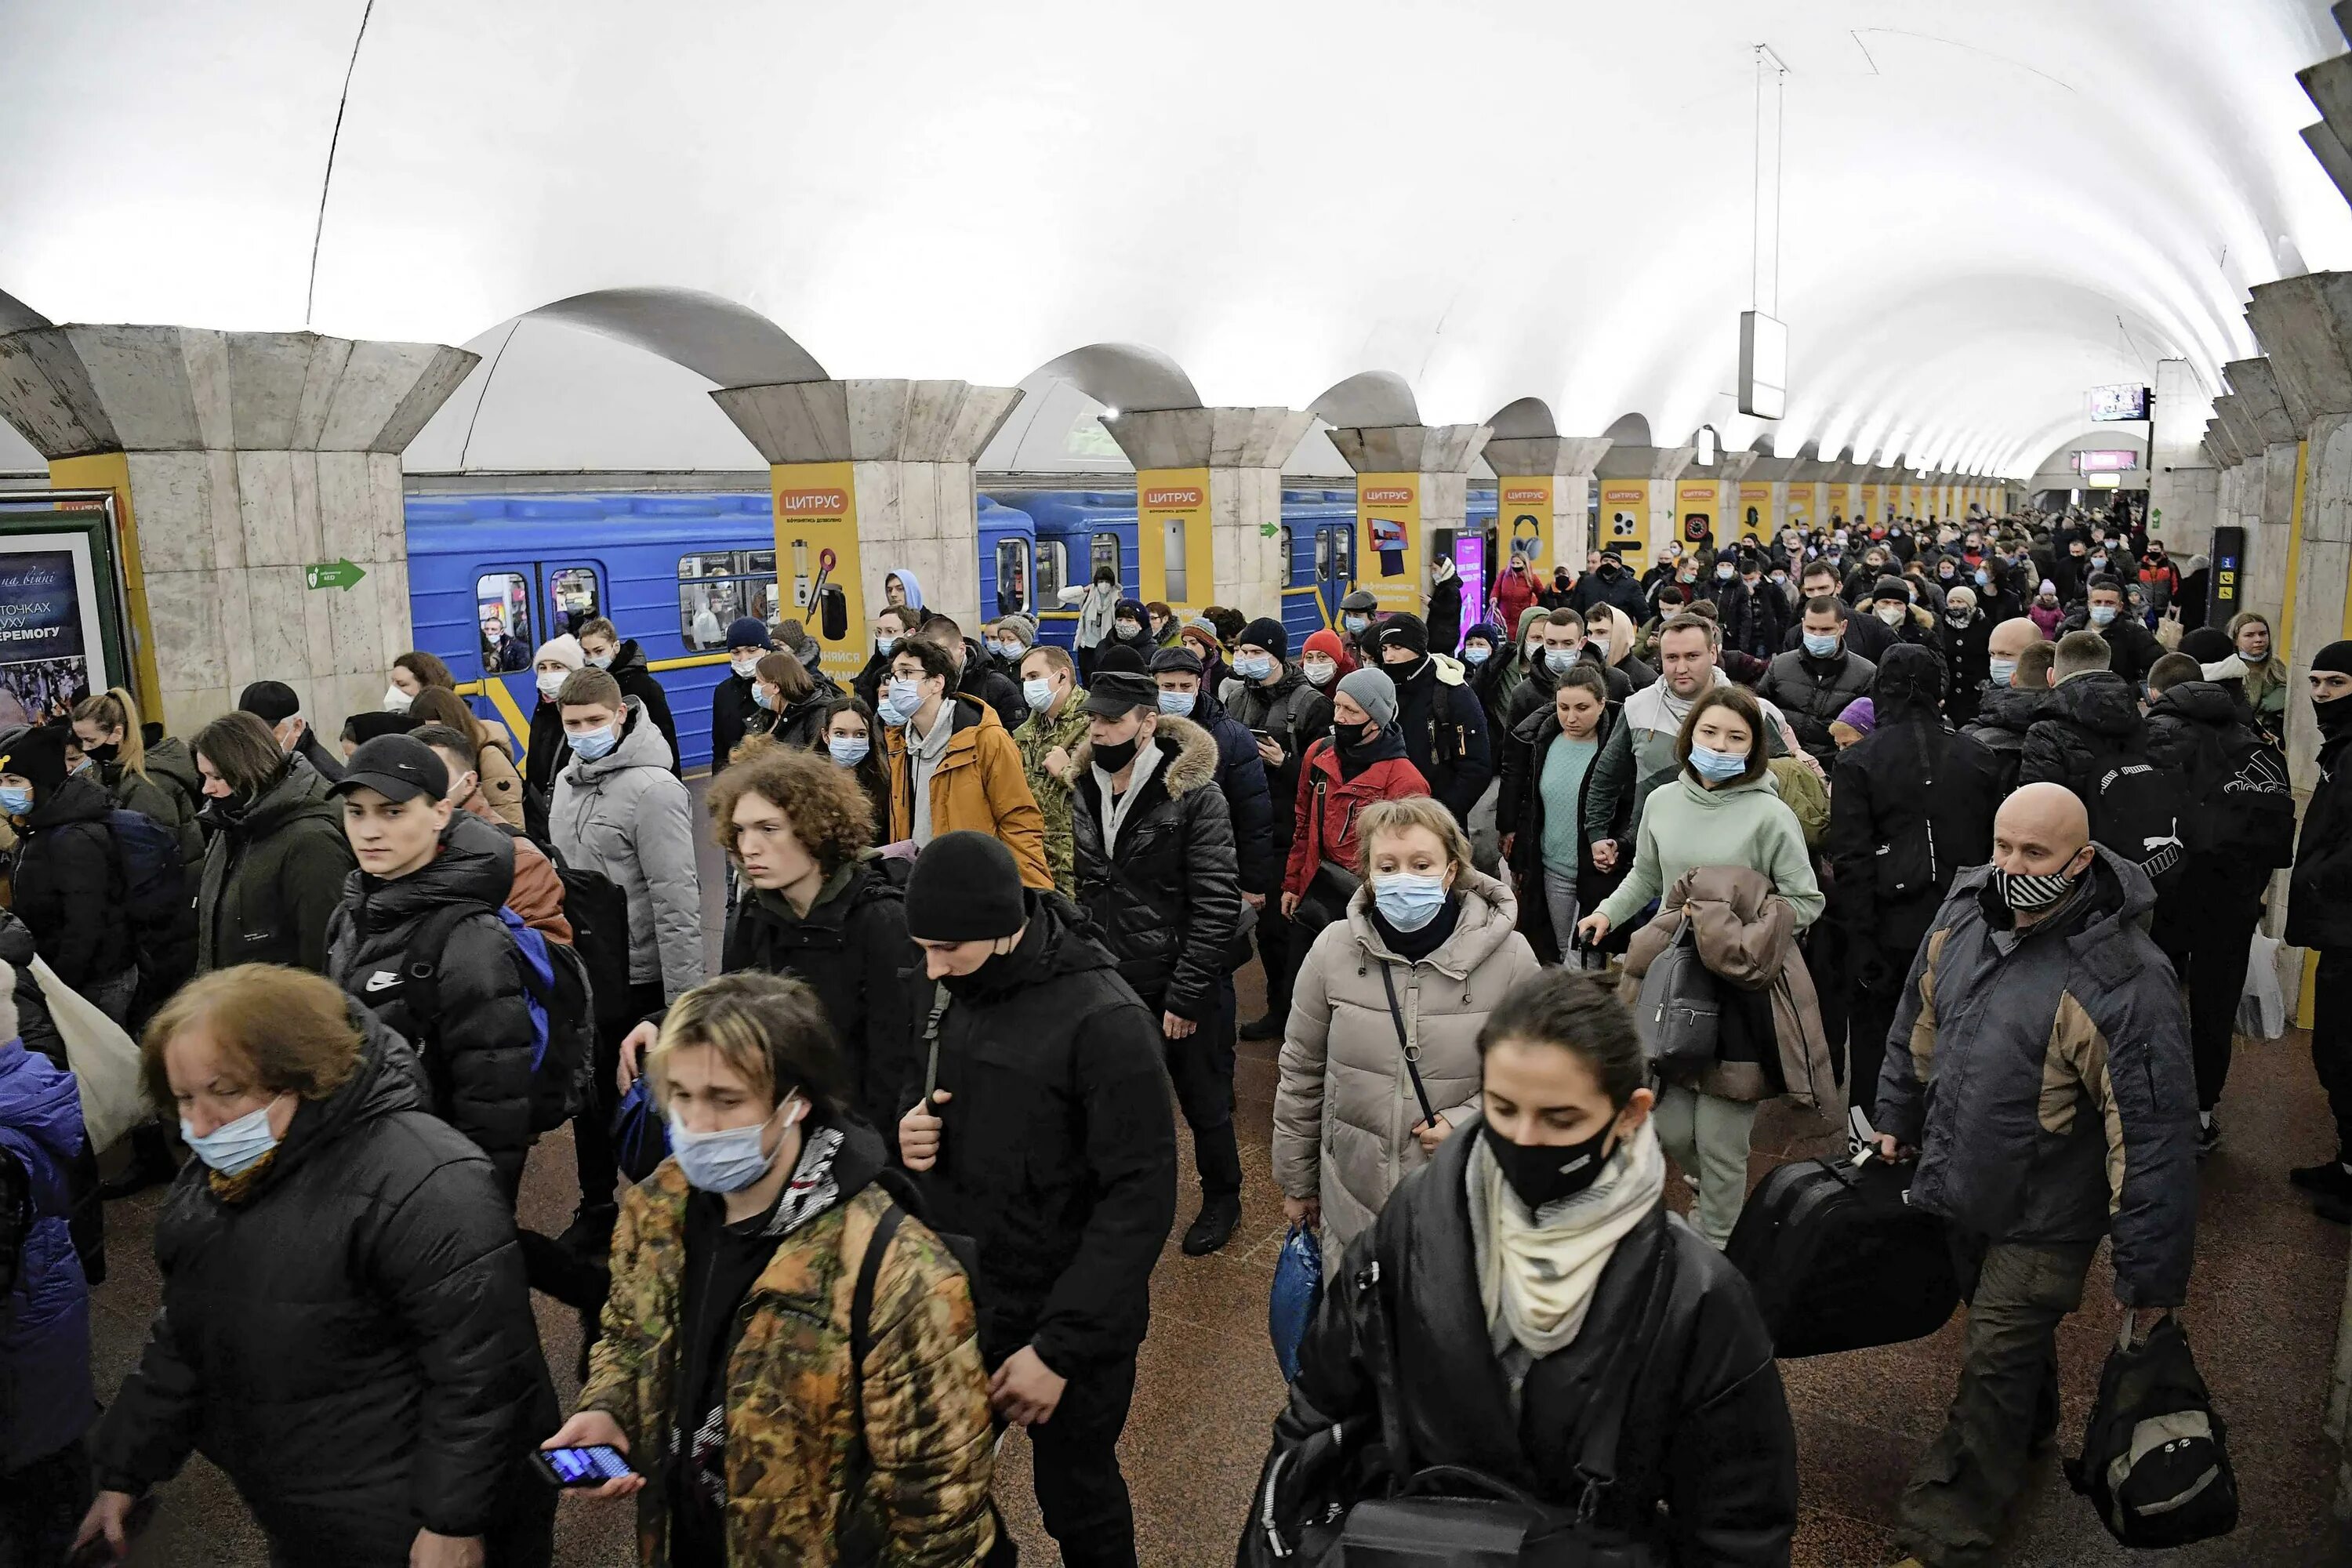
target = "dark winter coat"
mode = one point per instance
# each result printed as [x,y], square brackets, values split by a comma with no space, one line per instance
[273,876]
[331,768]
[2048,1088]
[2240,821]
[637,679]
[1867,637]
[170,791]
[1295,715]
[982,680]
[732,707]
[802,724]
[1444,731]
[354,1343]
[476,1055]
[2004,716]
[1249,796]
[34,1024]
[549,751]
[1706,1462]
[2082,725]
[1910,803]
[1445,618]
[1519,810]
[1058,1153]
[1812,692]
[69,885]
[867,683]
[46,1399]
[1166,899]
[1967,665]
[2319,894]
[1620,588]
[852,950]
[2132,648]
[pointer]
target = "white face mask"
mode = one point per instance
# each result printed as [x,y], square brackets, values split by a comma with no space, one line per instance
[551,681]
[747,667]
[395,701]
[1891,614]
[1319,671]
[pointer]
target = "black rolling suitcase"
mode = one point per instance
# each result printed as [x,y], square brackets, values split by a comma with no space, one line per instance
[1839,1261]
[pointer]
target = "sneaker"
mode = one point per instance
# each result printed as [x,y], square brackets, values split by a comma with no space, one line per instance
[1219,1213]
[1269,1027]
[2209,1135]
[2329,1178]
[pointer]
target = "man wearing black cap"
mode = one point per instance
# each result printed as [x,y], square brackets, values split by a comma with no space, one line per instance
[1445,728]
[423,866]
[274,703]
[1357,612]
[1048,1140]
[1153,851]
[2319,916]
[1611,583]
[731,701]
[1273,701]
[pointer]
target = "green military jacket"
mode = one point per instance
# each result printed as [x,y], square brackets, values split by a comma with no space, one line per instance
[1036,736]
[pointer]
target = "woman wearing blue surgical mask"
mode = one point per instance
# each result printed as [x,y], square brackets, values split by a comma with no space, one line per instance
[340,1282]
[720,1358]
[1431,930]
[1721,811]
[852,738]
[66,880]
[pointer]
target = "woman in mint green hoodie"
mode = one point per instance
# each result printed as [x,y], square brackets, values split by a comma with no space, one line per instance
[1721,810]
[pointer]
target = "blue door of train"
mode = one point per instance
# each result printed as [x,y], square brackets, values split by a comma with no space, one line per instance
[520,605]
[1335,566]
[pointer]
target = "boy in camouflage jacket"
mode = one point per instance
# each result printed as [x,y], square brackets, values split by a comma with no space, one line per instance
[1058,728]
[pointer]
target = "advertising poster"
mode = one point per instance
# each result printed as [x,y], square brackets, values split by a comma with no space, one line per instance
[1755,520]
[1697,504]
[1625,520]
[1388,544]
[1866,506]
[1525,521]
[51,655]
[816,547]
[1799,506]
[1173,544]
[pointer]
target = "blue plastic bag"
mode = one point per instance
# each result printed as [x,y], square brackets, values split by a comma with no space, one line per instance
[1298,1291]
[640,1141]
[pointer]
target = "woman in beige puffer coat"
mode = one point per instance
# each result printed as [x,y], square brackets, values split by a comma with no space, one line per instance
[1347,1125]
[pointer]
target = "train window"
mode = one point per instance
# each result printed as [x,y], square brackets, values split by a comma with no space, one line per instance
[572,597]
[760,563]
[1052,570]
[1012,576]
[1171,559]
[1343,540]
[503,599]
[713,564]
[1106,555]
[705,605]
[1285,552]
[1323,553]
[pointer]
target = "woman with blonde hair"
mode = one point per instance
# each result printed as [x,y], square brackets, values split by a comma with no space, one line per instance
[494,769]
[2266,678]
[143,770]
[790,1350]
[1380,1057]
[344,1327]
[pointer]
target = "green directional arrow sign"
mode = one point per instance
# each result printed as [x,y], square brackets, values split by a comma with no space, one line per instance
[332,575]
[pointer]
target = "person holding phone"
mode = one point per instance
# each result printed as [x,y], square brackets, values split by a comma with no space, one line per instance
[345,1328]
[726,1365]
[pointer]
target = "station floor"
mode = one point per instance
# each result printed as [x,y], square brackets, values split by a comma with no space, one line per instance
[2268,1287]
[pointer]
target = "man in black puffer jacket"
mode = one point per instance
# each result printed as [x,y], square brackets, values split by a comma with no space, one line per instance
[1814,683]
[417,857]
[2091,717]
[1910,803]
[1443,726]
[69,879]
[1153,853]
[348,1334]
[1049,1143]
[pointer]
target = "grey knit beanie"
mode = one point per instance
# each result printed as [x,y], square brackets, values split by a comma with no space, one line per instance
[1374,692]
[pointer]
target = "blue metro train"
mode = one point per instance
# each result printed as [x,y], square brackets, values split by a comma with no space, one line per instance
[671,569]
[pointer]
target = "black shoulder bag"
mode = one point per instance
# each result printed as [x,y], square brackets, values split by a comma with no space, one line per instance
[1412,1052]
[1450,1516]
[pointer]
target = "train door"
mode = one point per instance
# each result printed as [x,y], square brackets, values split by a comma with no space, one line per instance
[1335,566]
[518,606]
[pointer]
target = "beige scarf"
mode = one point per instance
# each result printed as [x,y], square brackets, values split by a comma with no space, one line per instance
[1536,1274]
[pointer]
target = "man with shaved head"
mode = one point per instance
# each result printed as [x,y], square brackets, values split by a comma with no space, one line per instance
[2014,693]
[2040,1065]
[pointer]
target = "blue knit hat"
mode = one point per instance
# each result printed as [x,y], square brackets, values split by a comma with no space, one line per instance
[747,631]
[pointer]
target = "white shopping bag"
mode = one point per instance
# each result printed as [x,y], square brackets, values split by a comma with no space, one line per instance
[2262,1007]
[104,1059]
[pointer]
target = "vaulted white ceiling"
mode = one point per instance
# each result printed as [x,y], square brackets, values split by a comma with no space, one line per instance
[1985,208]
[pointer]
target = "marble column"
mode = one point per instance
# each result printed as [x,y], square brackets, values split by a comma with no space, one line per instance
[2265,500]
[237,460]
[879,471]
[1235,456]
[1439,459]
[1548,477]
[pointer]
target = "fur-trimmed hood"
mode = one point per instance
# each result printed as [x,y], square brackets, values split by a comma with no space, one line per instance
[1189,753]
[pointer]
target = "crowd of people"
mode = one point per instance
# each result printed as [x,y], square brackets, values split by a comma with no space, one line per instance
[1965,817]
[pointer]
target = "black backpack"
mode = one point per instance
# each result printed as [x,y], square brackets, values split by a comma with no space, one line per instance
[157,903]
[2141,812]
[598,909]
[2155,1456]
[2247,817]
[556,989]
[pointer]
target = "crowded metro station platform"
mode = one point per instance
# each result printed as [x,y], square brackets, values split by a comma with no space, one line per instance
[1700,916]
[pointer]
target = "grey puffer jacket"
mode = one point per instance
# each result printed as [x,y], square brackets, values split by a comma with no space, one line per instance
[627,815]
[1345,1108]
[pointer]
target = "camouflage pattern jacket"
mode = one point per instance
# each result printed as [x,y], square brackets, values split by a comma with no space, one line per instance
[1036,736]
[789,1432]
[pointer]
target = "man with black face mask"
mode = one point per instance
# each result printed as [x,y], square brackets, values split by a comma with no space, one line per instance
[2037,987]
[1043,1131]
[1611,583]
[1442,723]
[2319,916]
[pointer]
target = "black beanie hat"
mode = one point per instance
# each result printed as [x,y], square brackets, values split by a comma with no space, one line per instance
[39,756]
[1268,634]
[965,887]
[2206,645]
[271,702]
[1402,630]
[2335,658]
[1120,656]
